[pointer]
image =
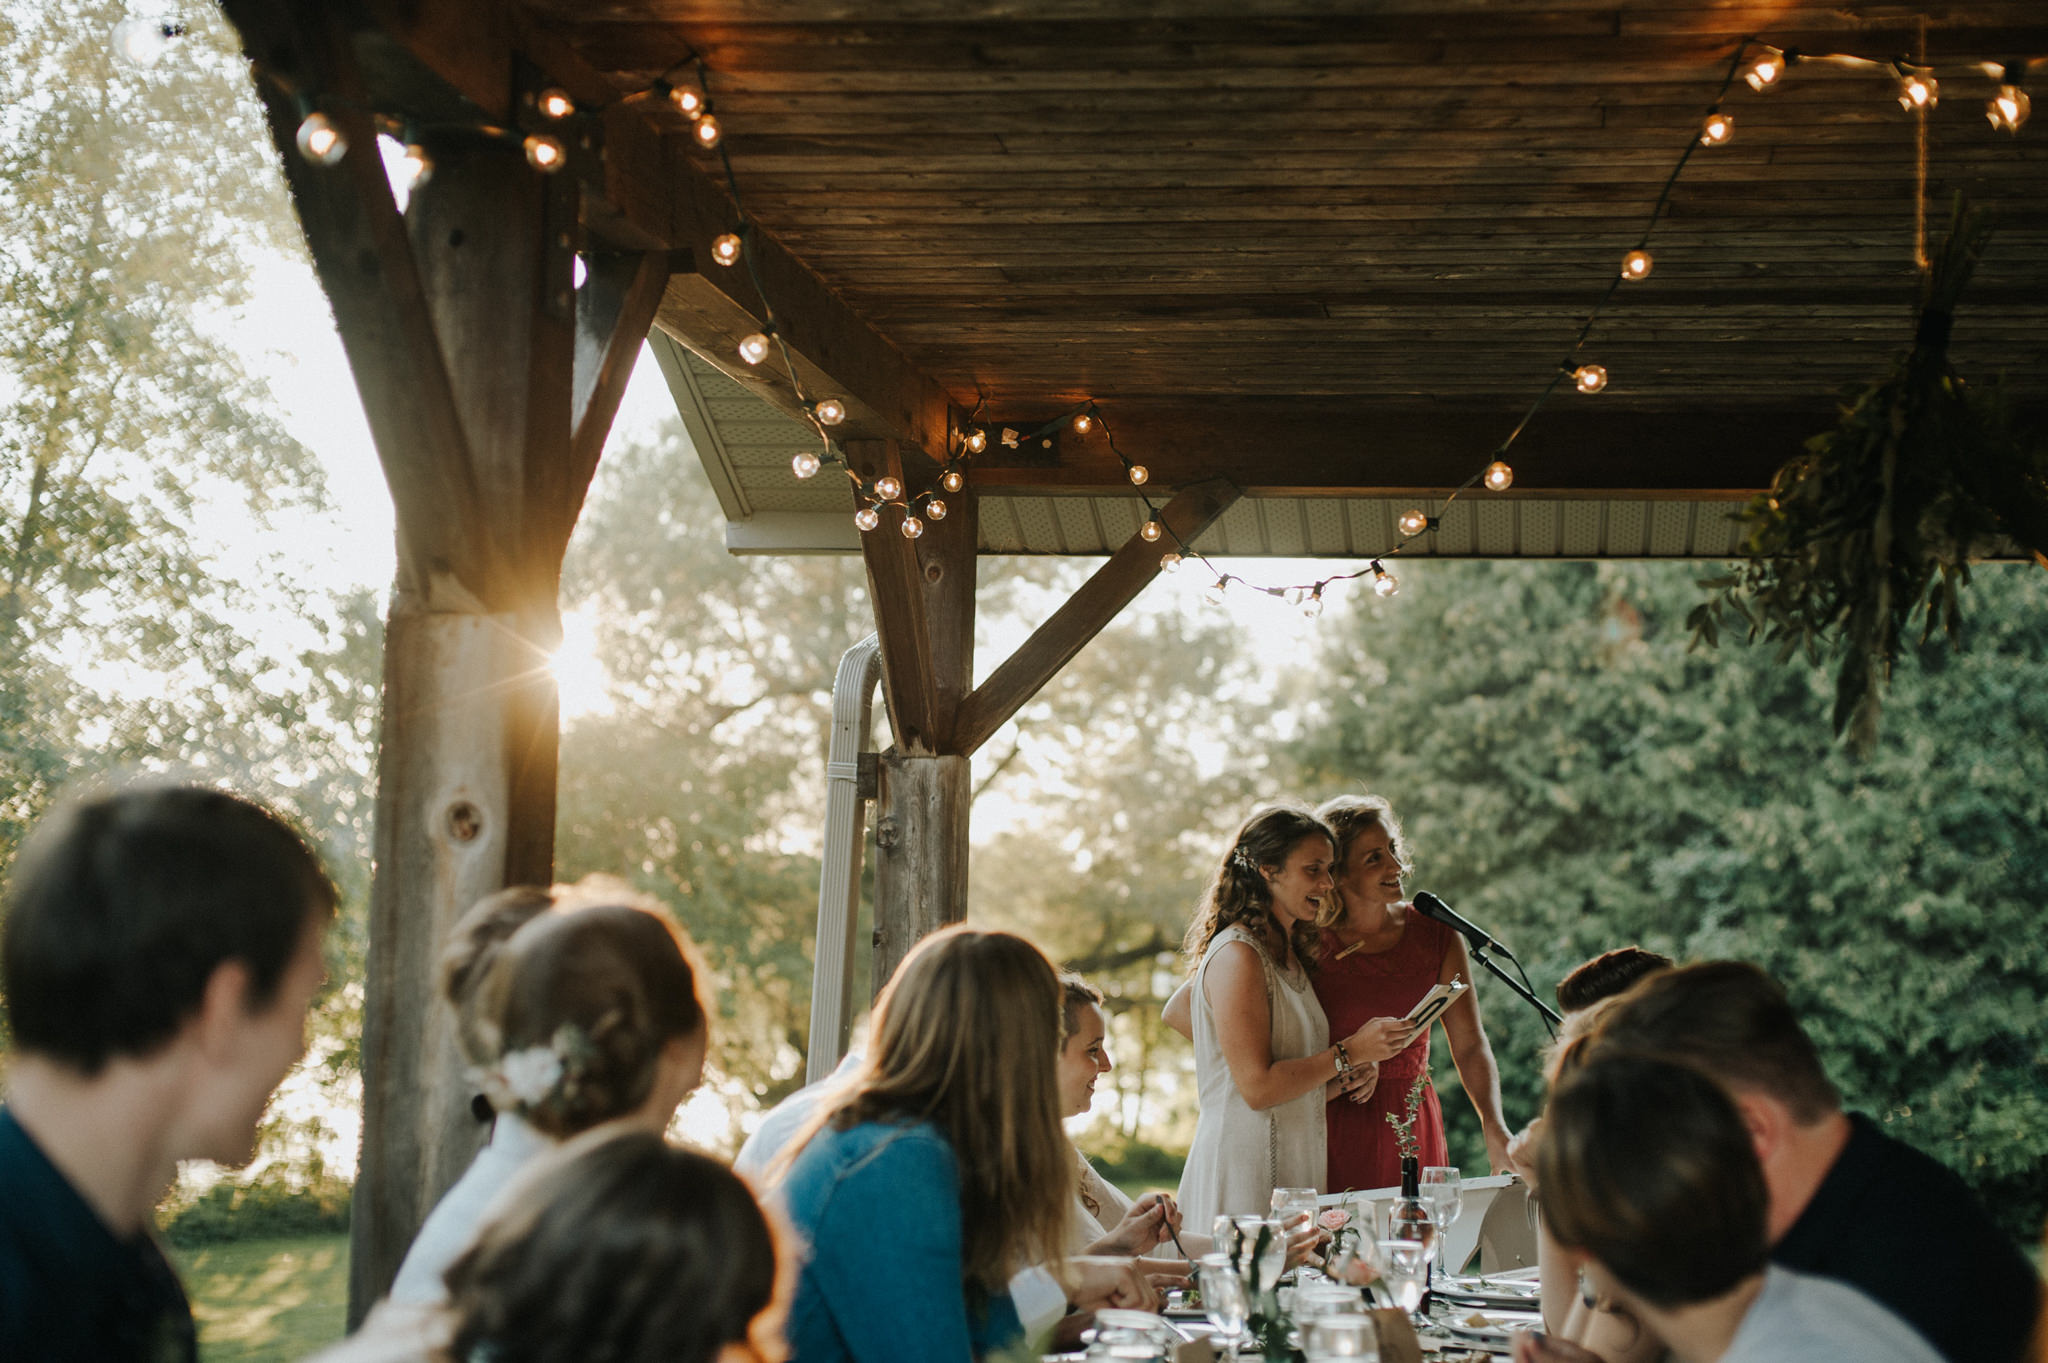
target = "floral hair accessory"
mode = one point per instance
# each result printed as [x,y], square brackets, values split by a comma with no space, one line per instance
[1242,860]
[533,1075]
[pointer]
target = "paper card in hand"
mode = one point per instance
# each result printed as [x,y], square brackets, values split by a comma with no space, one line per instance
[1432,1005]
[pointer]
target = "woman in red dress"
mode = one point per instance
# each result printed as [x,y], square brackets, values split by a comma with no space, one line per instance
[1378,958]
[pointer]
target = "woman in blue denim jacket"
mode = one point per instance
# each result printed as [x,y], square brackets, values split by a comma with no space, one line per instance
[940,1169]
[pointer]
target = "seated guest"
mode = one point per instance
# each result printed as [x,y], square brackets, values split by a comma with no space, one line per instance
[617,1247]
[1846,1200]
[1651,1185]
[1606,975]
[577,1006]
[922,1186]
[161,949]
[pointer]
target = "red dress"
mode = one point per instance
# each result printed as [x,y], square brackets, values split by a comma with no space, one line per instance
[1354,991]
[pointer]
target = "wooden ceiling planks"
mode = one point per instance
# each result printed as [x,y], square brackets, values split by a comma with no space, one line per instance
[1387,218]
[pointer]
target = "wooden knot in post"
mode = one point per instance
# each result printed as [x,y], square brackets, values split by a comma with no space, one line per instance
[888,832]
[933,572]
[465,821]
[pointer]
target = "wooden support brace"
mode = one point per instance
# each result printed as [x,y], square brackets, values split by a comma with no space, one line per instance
[1053,645]
[614,310]
[896,586]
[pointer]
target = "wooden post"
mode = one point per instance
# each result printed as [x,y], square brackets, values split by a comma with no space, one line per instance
[489,382]
[921,853]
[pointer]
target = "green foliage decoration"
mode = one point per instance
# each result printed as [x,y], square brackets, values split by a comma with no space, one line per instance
[1879,521]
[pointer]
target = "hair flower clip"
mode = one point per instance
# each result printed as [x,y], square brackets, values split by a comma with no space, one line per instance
[530,1075]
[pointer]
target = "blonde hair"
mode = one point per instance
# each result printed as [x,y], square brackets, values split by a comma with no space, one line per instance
[966,1036]
[1239,893]
[1350,815]
[565,1016]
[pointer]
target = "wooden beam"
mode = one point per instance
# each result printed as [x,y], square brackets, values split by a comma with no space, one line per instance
[1317,447]
[1055,643]
[920,853]
[897,588]
[614,310]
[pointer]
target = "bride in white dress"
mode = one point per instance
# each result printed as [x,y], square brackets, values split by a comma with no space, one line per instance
[1264,1063]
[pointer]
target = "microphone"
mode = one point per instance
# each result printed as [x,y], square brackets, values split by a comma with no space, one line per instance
[1429,906]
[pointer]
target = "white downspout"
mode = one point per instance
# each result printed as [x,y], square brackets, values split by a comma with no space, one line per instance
[853,707]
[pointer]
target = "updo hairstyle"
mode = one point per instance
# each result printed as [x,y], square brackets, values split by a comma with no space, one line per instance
[1239,893]
[628,1250]
[565,1017]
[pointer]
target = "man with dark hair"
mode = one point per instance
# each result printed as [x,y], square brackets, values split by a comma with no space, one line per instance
[1846,1200]
[1608,974]
[158,954]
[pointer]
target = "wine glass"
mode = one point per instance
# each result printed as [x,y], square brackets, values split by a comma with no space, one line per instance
[1224,1299]
[1443,1188]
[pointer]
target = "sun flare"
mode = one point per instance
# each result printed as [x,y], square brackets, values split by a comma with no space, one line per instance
[580,679]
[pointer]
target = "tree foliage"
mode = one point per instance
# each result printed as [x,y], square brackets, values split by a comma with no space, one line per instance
[1575,780]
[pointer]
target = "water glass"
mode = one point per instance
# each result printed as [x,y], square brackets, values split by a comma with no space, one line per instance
[1290,1203]
[1443,1187]
[1407,1261]
[1313,1301]
[1223,1296]
[1351,1337]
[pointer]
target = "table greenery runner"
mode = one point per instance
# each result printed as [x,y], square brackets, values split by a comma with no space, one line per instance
[1879,520]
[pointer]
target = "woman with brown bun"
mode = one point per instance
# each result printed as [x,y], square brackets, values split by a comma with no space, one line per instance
[576,1007]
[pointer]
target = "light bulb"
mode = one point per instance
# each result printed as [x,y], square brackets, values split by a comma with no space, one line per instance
[140,42]
[934,510]
[555,103]
[831,411]
[1083,423]
[1718,128]
[753,347]
[1139,473]
[1218,591]
[888,488]
[706,131]
[1497,476]
[1150,531]
[1169,562]
[1412,523]
[1918,91]
[805,464]
[1591,378]
[419,166]
[688,103]
[867,518]
[2009,108]
[952,482]
[976,441]
[1763,73]
[725,248]
[1384,583]
[320,141]
[580,275]
[912,527]
[544,153]
[1312,604]
[1636,264]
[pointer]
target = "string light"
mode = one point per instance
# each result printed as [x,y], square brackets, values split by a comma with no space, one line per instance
[688,103]
[1917,90]
[544,153]
[867,518]
[753,347]
[1169,562]
[1150,532]
[1718,128]
[1590,378]
[1312,604]
[320,141]
[555,103]
[1083,423]
[1139,473]
[706,131]
[912,526]
[2008,109]
[1636,264]
[953,482]
[725,248]
[805,464]
[976,441]
[1384,583]
[830,411]
[1763,73]
[1412,523]
[935,510]
[1218,591]
[888,488]
[1498,476]
[419,166]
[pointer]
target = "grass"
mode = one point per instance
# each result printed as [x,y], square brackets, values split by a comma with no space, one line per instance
[267,1301]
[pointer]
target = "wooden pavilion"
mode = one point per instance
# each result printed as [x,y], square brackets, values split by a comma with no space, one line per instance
[1310,262]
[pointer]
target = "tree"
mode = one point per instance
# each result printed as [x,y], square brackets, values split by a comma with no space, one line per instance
[1575,780]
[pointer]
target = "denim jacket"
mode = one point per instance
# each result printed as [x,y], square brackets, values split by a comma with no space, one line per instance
[878,1210]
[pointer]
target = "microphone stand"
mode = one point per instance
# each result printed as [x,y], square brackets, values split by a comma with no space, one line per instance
[1478,953]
